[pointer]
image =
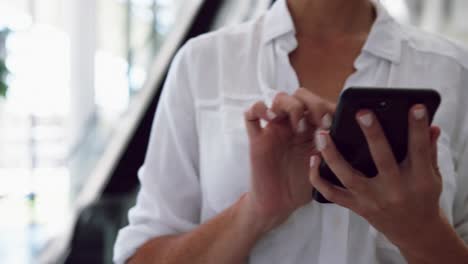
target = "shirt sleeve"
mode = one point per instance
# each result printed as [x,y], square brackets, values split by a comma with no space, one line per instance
[169,201]
[461,198]
[460,211]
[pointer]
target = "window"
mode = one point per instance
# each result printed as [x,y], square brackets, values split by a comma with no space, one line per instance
[75,66]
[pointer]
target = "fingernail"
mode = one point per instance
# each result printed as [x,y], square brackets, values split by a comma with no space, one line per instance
[313,161]
[271,115]
[366,119]
[419,113]
[321,141]
[302,126]
[327,121]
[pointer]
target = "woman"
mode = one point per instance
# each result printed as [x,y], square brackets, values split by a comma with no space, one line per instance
[204,199]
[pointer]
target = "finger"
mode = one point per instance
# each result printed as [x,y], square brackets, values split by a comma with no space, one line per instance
[419,137]
[349,177]
[284,104]
[331,192]
[435,134]
[320,111]
[377,142]
[253,117]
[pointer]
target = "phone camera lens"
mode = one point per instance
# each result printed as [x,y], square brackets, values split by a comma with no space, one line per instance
[383,105]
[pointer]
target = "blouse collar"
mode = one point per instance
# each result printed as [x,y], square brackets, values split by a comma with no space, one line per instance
[385,38]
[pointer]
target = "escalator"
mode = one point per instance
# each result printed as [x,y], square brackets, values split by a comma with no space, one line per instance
[102,206]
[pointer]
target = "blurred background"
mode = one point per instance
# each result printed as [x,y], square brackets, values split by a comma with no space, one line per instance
[79,84]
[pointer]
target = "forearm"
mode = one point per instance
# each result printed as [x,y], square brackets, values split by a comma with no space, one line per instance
[441,245]
[228,238]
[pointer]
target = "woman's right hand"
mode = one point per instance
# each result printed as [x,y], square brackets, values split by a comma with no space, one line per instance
[280,153]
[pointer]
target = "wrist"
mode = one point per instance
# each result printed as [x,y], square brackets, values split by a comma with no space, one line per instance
[257,221]
[436,242]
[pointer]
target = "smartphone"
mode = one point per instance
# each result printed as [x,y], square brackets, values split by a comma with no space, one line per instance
[391,107]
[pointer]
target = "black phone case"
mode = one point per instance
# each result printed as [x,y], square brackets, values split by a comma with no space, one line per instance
[391,106]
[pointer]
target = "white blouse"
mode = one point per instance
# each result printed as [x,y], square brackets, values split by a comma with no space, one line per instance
[197,163]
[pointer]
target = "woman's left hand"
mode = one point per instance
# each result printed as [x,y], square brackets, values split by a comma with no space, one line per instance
[402,201]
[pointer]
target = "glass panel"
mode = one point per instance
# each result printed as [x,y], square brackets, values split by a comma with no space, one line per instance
[130,33]
[445,17]
[41,168]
